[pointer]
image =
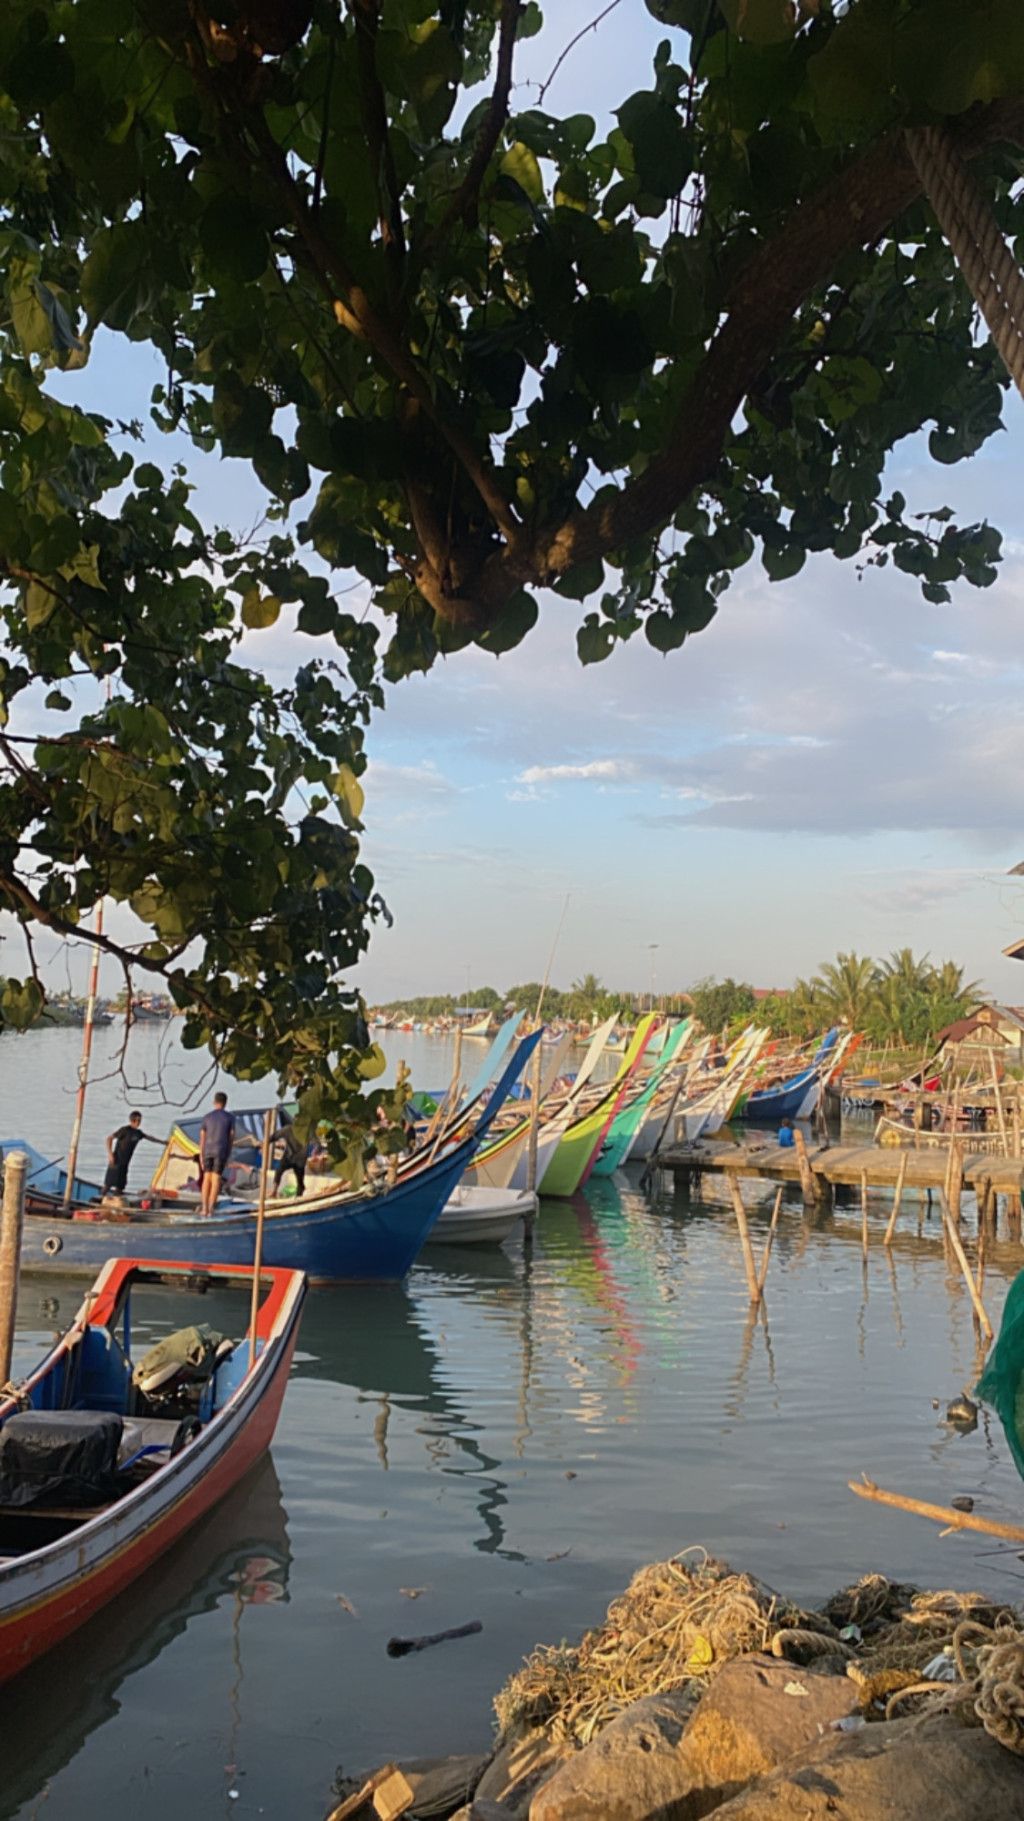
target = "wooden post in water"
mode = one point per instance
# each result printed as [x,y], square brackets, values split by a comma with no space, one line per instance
[864,1212]
[804,1166]
[956,1179]
[531,1155]
[897,1198]
[968,1276]
[257,1263]
[11,1220]
[766,1256]
[748,1251]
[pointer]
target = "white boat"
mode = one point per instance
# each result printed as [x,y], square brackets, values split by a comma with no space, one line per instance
[481,1217]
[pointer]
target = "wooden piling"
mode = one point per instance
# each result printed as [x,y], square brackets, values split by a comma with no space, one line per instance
[804,1166]
[864,1211]
[900,1180]
[956,1178]
[968,1275]
[748,1250]
[766,1257]
[11,1221]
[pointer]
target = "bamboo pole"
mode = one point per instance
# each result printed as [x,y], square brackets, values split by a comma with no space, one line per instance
[897,1198]
[956,1179]
[83,1066]
[961,1256]
[766,1256]
[1000,1110]
[942,1514]
[11,1222]
[864,1211]
[748,1251]
[268,1139]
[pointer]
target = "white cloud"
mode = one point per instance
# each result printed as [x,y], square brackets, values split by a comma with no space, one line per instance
[595,768]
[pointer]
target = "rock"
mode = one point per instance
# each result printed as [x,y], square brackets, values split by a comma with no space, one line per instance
[633,1769]
[481,1809]
[663,1756]
[924,1769]
[757,1712]
[517,1770]
[441,1785]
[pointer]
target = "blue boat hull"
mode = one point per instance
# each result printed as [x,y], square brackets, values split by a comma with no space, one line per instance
[371,1240]
[784,1101]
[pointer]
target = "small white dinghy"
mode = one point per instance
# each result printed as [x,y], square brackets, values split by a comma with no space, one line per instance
[481,1216]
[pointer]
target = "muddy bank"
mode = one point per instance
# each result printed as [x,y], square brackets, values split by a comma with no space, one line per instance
[704,1692]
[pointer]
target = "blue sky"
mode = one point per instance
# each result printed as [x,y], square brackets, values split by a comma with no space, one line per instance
[833,764]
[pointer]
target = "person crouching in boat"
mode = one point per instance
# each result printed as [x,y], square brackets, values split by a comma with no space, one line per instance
[121,1148]
[216,1138]
[291,1155]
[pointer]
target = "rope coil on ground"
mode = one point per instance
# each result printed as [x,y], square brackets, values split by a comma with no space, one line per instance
[989,267]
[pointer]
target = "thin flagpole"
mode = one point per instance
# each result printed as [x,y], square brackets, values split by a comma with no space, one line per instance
[551,960]
[268,1134]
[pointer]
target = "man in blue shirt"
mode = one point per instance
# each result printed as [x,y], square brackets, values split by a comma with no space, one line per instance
[216,1138]
[787,1134]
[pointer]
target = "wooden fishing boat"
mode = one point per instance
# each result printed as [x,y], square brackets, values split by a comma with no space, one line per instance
[580,1144]
[796,1097]
[481,1216]
[99,1476]
[623,1131]
[333,1233]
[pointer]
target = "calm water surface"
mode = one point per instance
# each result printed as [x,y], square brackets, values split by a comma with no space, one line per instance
[508,1437]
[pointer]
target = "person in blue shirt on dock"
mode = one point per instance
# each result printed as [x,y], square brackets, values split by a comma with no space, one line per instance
[216,1138]
[787,1134]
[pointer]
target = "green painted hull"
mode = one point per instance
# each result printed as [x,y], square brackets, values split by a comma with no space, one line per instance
[565,1171]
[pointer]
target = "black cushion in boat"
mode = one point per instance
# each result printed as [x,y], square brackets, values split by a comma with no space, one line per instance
[58,1457]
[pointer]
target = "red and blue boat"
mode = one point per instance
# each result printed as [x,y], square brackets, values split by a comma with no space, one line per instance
[103,1467]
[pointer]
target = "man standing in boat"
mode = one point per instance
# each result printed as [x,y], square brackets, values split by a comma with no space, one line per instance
[216,1138]
[121,1146]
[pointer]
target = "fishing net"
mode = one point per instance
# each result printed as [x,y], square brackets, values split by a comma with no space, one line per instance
[679,1621]
[675,1624]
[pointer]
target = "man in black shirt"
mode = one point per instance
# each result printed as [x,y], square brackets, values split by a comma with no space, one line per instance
[120,1151]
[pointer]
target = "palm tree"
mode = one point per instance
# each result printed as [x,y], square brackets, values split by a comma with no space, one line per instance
[915,974]
[845,988]
[584,995]
[950,984]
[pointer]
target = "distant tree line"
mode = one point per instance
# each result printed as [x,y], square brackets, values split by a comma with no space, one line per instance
[585,998]
[906,999]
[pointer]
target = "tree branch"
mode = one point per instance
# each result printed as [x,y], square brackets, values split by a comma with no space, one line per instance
[329,265]
[854,209]
[382,158]
[463,203]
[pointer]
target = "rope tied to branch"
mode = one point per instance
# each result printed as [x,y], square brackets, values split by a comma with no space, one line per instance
[992,274]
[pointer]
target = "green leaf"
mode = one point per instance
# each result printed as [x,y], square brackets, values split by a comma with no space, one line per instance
[233,238]
[761,21]
[780,564]
[518,617]
[117,281]
[21,1002]
[520,164]
[595,640]
[350,794]
[664,631]
[260,610]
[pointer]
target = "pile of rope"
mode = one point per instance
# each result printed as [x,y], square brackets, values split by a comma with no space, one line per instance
[680,1620]
[674,1626]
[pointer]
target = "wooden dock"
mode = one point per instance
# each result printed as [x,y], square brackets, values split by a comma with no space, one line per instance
[848,1165]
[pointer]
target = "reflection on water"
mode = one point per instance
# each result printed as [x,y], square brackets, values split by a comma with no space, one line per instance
[506,1439]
